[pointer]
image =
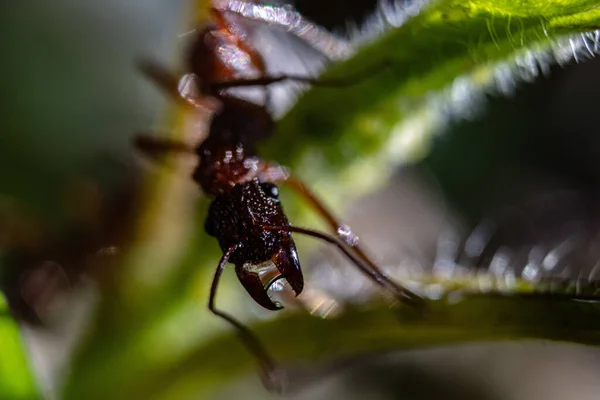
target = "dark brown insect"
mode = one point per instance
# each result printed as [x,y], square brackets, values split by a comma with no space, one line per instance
[246,216]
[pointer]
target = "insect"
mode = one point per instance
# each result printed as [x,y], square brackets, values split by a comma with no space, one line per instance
[246,216]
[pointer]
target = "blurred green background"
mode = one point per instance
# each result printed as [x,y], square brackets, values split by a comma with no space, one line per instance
[71,184]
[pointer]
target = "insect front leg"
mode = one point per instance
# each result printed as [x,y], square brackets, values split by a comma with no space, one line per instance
[275,173]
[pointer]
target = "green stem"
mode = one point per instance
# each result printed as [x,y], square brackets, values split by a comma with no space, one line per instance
[309,339]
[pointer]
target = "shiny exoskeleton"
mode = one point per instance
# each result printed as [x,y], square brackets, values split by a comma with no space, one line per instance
[246,216]
[245,201]
[221,52]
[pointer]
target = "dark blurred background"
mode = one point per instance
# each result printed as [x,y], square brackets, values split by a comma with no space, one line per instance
[519,177]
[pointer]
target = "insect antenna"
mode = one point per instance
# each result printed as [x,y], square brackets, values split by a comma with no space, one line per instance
[273,377]
[368,268]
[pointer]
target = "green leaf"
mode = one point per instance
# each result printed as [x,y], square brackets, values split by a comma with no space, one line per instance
[153,336]
[16,379]
[381,329]
[434,67]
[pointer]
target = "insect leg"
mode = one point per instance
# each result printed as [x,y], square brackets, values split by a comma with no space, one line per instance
[270,80]
[272,375]
[403,294]
[155,147]
[276,173]
[299,187]
[169,83]
[320,39]
[342,230]
[333,82]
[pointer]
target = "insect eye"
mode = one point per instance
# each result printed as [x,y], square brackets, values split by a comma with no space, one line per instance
[270,190]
